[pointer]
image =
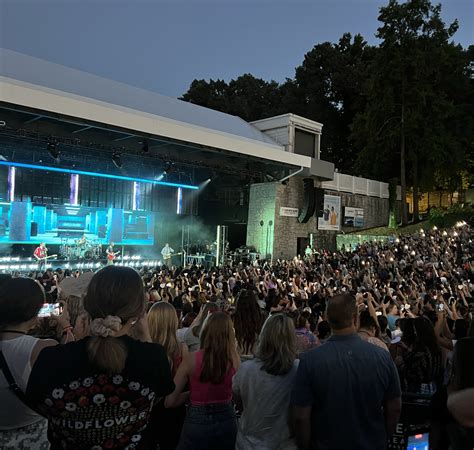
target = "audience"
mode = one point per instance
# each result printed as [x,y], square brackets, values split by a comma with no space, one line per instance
[210,419]
[98,392]
[110,385]
[20,301]
[345,382]
[262,388]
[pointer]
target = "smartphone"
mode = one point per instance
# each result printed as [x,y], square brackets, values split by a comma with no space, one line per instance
[378,313]
[50,309]
[440,307]
[418,442]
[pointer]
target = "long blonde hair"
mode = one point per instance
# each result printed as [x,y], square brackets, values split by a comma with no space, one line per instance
[219,347]
[276,345]
[163,324]
[113,291]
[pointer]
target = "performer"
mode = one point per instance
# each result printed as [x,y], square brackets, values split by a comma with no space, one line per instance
[167,252]
[82,241]
[110,253]
[308,253]
[41,254]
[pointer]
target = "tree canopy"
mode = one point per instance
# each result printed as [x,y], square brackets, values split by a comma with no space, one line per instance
[403,108]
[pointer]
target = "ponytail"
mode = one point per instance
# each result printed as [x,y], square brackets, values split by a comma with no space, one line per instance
[107,353]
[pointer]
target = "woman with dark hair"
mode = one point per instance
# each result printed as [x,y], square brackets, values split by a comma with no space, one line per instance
[262,388]
[421,370]
[305,340]
[20,302]
[210,422]
[98,392]
[248,321]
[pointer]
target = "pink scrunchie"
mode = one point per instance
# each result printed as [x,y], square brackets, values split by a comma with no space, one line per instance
[106,327]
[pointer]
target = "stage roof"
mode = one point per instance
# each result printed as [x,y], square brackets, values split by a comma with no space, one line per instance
[41,86]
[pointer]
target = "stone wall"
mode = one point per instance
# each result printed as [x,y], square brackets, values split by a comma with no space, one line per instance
[281,237]
[261,217]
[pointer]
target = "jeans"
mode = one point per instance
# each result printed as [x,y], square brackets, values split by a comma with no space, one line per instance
[209,427]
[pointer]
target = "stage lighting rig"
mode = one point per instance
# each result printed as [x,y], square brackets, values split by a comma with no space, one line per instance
[117,160]
[53,150]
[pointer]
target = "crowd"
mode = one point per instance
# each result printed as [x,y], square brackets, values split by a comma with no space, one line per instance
[313,353]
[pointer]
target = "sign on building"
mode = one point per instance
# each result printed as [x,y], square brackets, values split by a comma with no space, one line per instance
[331,219]
[289,212]
[353,217]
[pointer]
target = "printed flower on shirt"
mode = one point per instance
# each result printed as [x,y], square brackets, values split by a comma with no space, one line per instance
[58,393]
[151,396]
[74,385]
[125,404]
[87,382]
[69,396]
[83,401]
[133,386]
[145,392]
[136,438]
[98,399]
[48,402]
[71,407]
[114,400]
[102,379]
[94,389]
[109,443]
[117,379]
[108,389]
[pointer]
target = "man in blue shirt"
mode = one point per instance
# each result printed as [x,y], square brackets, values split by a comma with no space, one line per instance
[347,392]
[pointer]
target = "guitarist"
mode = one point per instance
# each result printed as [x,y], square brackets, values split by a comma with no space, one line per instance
[110,254]
[167,252]
[41,254]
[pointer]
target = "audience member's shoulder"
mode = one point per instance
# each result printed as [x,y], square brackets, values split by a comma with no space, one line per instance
[145,350]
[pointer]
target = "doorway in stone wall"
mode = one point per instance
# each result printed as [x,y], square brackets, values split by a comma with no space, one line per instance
[301,245]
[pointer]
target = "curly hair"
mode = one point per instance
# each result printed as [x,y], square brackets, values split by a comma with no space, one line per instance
[248,321]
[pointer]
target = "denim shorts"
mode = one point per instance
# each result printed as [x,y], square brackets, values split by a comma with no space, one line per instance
[209,427]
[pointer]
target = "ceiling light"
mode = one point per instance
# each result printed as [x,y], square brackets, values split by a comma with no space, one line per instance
[117,160]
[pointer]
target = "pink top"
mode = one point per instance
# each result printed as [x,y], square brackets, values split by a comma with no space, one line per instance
[206,393]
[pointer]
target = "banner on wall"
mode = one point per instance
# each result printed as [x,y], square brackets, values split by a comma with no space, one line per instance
[289,212]
[353,217]
[331,219]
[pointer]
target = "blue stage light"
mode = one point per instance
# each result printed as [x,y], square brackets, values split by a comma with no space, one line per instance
[94,174]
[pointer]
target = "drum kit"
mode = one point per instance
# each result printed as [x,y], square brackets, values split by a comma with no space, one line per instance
[88,250]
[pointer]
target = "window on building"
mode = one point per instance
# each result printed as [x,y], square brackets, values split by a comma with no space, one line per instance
[305,143]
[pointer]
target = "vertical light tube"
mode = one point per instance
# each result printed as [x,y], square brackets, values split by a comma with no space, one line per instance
[136,196]
[179,201]
[74,189]
[11,183]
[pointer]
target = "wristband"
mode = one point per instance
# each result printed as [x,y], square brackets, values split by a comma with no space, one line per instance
[69,327]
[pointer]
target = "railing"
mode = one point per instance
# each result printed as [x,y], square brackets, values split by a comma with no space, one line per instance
[357,185]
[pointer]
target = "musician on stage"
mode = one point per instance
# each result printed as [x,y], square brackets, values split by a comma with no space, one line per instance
[41,254]
[110,253]
[82,241]
[167,251]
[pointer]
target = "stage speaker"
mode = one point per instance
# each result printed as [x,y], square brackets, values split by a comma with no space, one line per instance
[308,203]
[319,201]
[34,229]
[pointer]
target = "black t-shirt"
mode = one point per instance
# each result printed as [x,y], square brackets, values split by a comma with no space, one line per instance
[87,409]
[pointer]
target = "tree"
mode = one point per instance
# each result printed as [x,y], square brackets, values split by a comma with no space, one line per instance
[411,99]
[328,90]
[248,97]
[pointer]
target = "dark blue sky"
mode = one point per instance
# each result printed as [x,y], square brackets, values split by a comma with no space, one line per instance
[163,45]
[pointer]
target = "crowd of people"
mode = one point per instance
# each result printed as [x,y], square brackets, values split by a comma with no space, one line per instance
[316,352]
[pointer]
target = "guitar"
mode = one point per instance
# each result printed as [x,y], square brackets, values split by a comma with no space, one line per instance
[46,257]
[111,256]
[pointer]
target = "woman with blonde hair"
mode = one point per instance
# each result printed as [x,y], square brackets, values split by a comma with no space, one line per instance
[210,422]
[98,392]
[262,388]
[165,425]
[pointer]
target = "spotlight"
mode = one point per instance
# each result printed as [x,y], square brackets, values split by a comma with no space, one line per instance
[117,160]
[145,146]
[169,167]
[53,150]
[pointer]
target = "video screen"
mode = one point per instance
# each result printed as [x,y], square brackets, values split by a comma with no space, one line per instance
[27,222]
